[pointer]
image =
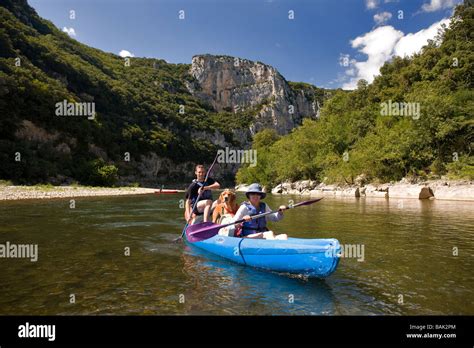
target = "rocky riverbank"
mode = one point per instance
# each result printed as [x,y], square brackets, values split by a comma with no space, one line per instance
[45,192]
[461,190]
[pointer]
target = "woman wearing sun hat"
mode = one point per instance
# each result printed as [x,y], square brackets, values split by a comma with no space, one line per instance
[257,228]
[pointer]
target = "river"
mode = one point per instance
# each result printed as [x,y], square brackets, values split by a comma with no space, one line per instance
[418,259]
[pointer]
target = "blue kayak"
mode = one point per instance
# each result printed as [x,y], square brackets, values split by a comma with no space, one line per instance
[308,257]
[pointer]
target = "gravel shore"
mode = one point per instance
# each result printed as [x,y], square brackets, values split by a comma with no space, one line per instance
[456,190]
[38,192]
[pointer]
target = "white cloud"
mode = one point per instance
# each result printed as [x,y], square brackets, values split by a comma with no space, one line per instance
[382,17]
[412,43]
[371,4]
[345,60]
[350,72]
[70,31]
[125,53]
[380,45]
[436,5]
[341,78]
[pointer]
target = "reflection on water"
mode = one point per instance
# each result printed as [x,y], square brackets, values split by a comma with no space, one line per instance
[243,290]
[409,265]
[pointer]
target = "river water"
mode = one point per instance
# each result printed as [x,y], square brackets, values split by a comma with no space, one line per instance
[418,259]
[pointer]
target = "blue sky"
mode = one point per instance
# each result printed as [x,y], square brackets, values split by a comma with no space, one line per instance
[317,46]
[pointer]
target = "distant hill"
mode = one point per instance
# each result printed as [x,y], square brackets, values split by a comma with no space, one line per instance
[416,121]
[152,119]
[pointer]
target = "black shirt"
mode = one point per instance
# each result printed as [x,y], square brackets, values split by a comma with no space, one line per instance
[192,191]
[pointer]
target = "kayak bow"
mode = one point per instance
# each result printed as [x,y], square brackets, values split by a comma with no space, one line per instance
[314,258]
[308,257]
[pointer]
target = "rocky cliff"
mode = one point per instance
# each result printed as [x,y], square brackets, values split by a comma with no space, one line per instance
[154,120]
[232,84]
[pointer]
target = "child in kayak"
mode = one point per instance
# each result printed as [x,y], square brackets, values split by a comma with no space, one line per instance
[257,228]
[202,190]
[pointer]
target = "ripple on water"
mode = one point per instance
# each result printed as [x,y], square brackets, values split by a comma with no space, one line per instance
[408,251]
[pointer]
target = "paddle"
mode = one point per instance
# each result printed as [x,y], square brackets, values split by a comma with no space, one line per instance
[207,230]
[197,200]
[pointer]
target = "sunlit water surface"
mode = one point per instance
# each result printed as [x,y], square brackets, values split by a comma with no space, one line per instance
[409,267]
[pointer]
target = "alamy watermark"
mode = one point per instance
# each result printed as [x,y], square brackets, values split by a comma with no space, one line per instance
[37,331]
[28,251]
[237,156]
[405,109]
[65,108]
[348,251]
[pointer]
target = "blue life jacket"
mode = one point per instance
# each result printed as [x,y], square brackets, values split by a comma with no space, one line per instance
[256,225]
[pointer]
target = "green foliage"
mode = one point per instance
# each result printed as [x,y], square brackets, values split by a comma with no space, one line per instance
[463,168]
[315,93]
[102,174]
[43,187]
[352,136]
[137,106]
[262,172]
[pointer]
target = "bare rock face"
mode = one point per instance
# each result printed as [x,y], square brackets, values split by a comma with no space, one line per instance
[402,190]
[231,84]
[457,190]
[241,188]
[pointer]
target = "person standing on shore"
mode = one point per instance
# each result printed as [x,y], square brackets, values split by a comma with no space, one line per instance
[200,191]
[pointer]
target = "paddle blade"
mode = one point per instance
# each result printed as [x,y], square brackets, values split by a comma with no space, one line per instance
[204,230]
[311,201]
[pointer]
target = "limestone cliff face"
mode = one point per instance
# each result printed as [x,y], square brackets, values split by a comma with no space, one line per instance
[230,84]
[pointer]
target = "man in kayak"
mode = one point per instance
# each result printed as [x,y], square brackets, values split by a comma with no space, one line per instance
[200,190]
[257,228]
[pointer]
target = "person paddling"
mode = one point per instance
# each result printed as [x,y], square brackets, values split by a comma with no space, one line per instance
[257,228]
[200,190]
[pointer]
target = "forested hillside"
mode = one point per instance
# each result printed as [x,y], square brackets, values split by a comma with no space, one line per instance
[147,120]
[356,138]
[142,107]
